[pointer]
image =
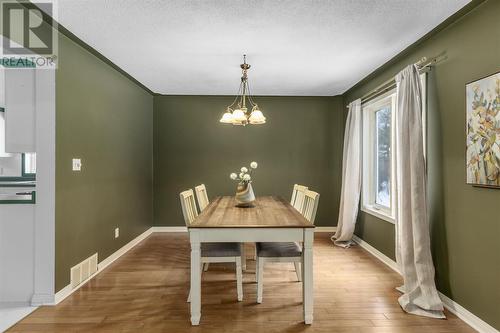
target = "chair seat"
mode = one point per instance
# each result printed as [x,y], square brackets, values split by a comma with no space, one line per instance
[277,250]
[220,249]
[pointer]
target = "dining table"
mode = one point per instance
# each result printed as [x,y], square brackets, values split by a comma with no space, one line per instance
[268,219]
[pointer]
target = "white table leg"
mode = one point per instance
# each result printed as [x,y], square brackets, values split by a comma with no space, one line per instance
[260,278]
[307,275]
[195,277]
[239,279]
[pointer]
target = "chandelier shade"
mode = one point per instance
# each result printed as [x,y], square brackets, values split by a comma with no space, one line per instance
[227,118]
[237,112]
[256,117]
[239,115]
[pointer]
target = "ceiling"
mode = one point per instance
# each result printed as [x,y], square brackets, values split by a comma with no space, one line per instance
[295,47]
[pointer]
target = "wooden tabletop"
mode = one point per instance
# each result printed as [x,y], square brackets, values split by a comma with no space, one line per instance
[268,212]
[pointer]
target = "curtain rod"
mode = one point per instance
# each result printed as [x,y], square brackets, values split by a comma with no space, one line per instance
[424,65]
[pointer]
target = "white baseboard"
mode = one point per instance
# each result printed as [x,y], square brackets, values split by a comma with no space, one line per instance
[124,249]
[376,253]
[471,319]
[169,229]
[452,306]
[66,291]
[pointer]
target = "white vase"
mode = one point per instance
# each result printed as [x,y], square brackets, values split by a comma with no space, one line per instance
[244,195]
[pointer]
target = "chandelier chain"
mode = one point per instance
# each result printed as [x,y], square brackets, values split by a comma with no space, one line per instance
[241,115]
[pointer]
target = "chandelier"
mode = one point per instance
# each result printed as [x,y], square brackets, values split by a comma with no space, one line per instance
[237,112]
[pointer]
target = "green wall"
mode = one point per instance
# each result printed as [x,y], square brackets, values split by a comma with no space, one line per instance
[105,119]
[300,143]
[465,222]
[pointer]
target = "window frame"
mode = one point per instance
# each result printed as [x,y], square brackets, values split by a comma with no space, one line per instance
[368,195]
[375,209]
[24,176]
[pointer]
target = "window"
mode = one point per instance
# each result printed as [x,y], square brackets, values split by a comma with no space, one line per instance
[14,167]
[378,196]
[29,164]
[383,161]
[379,163]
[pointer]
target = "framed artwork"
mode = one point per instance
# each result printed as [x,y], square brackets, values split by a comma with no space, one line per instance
[483,131]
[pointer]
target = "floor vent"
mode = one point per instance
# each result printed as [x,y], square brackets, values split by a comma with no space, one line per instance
[82,271]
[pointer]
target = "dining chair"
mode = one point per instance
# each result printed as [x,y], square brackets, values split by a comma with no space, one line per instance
[201,196]
[284,251]
[297,200]
[213,252]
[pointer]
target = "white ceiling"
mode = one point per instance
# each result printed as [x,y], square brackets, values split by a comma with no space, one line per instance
[295,47]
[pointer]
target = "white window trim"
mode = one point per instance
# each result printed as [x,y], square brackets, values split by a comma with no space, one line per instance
[368,204]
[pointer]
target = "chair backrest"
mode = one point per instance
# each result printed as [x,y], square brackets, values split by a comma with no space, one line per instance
[298,197]
[311,200]
[202,196]
[188,205]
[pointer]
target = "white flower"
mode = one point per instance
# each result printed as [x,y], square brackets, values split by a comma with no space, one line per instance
[233,176]
[253,165]
[241,175]
[247,177]
[244,170]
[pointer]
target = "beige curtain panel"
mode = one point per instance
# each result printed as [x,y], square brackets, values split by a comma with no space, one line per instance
[413,251]
[351,177]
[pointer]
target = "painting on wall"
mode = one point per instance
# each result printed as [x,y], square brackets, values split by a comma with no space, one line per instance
[483,131]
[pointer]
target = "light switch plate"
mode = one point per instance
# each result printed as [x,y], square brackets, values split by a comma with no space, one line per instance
[117,232]
[77,164]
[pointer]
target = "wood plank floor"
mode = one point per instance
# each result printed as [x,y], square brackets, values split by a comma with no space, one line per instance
[146,291]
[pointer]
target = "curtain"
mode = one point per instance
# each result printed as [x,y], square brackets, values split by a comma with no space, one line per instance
[351,177]
[413,251]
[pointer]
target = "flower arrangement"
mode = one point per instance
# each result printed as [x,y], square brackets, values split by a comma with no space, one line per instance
[245,174]
[244,192]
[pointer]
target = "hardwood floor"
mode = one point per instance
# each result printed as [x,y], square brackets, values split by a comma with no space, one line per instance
[146,291]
